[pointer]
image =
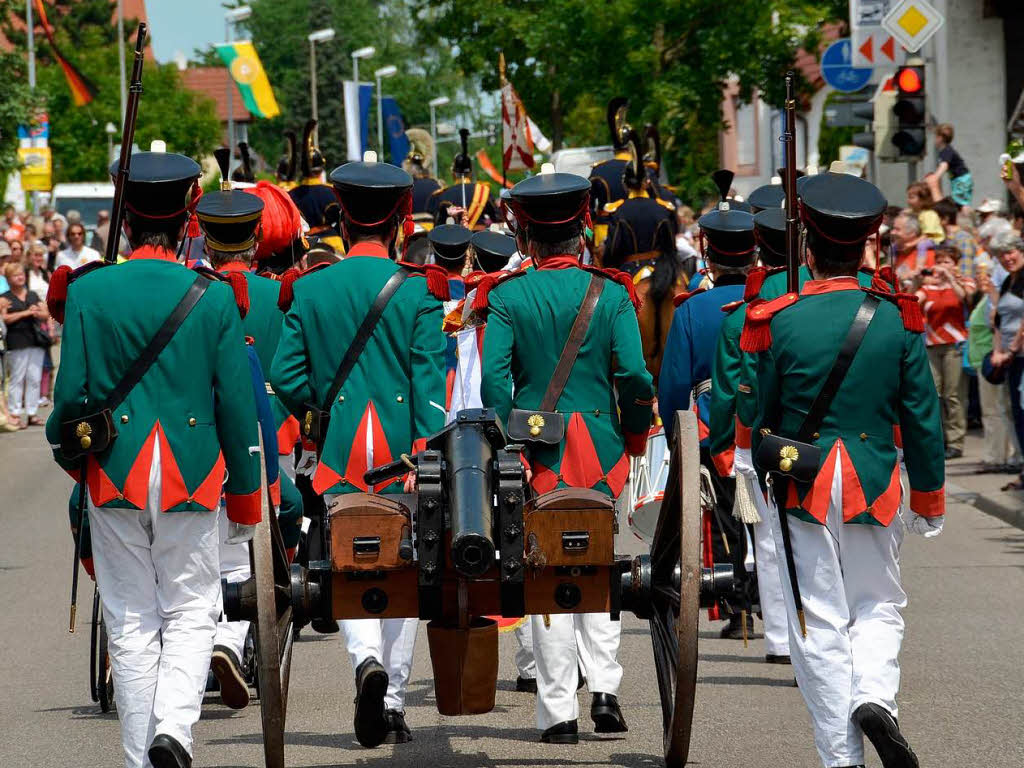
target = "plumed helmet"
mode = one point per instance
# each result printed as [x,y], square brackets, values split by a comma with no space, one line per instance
[282,223]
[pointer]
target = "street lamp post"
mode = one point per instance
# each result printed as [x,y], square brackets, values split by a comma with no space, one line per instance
[320,36]
[440,101]
[231,17]
[380,74]
[360,53]
[110,129]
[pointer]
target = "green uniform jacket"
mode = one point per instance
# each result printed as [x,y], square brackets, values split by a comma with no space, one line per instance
[196,399]
[528,323]
[889,382]
[395,393]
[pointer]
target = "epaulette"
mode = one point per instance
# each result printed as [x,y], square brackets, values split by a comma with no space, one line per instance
[728,308]
[757,328]
[62,277]
[437,278]
[614,205]
[288,278]
[666,204]
[622,278]
[907,304]
[237,282]
[487,284]
[686,295]
[755,281]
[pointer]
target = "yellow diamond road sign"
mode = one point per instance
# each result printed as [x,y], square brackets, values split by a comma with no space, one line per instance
[912,23]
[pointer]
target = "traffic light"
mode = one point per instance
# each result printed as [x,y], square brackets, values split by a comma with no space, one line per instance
[910,138]
[879,111]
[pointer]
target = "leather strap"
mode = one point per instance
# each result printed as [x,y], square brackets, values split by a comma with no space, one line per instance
[156,345]
[572,345]
[816,413]
[363,334]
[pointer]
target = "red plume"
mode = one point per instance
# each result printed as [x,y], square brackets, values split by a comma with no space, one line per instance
[241,290]
[57,294]
[281,220]
[285,298]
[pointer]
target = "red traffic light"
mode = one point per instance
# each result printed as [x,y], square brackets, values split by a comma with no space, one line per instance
[910,80]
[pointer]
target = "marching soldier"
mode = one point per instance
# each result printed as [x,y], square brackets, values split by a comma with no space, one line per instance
[153,493]
[492,250]
[828,400]
[529,316]
[642,242]
[314,198]
[417,164]
[686,371]
[474,198]
[231,222]
[449,244]
[287,164]
[606,176]
[391,400]
[652,163]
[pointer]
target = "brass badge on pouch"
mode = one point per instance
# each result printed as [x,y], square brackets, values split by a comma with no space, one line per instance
[787,455]
[82,432]
[307,423]
[535,422]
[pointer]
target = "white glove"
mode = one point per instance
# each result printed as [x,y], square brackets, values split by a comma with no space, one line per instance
[307,463]
[239,533]
[743,463]
[929,527]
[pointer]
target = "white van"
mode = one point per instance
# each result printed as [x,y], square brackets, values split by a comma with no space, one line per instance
[88,198]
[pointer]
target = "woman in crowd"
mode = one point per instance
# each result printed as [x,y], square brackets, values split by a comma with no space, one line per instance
[24,316]
[1008,343]
[39,283]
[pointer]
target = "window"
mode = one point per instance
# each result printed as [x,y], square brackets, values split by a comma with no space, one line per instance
[746,133]
[778,150]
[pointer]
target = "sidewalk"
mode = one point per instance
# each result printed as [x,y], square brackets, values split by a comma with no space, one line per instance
[983,491]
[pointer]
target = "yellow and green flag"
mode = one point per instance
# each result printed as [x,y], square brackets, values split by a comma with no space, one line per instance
[244,65]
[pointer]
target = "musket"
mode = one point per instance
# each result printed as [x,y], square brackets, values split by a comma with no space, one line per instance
[793,286]
[127,139]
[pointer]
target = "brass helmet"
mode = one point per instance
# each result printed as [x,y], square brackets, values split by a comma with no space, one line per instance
[462,165]
[312,160]
[420,157]
[617,124]
[287,162]
[244,171]
[652,148]
[634,174]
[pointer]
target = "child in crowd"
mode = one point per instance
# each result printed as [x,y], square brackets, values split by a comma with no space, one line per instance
[961,184]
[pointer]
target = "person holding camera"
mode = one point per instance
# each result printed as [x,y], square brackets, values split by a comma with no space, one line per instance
[1008,347]
[943,293]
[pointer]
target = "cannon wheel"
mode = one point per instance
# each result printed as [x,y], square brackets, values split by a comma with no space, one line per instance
[273,628]
[675,607]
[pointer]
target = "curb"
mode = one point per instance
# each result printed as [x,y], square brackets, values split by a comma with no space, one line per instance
[1013,515]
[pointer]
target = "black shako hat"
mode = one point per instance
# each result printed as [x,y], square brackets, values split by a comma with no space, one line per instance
[449,242]
[492,249]
[160,185]
[841,208]
[766,196]
[730,236]
[770,233]
[551,206]
[230,219]
[372,193]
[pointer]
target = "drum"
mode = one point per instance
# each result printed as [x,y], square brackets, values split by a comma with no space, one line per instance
[648,478]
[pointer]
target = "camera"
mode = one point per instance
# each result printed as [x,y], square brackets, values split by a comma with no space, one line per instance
[927,272]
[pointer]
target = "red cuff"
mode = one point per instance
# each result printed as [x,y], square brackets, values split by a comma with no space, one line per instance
[275,492]
[89,568]
[742,434]
[928,503]
[724,462]
[636,442]
[287,435]
[291,554]
[245,509]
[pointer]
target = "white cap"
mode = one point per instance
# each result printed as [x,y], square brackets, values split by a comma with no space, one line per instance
[158,145]
[369,156]
[991,205]
[776,180]
[546,168]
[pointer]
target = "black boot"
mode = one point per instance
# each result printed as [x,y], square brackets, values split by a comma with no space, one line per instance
[371,685]
[234,691]
[166,752]
[398,730]
[734,629]
[772,658]
[325,626]
[526,684]
[883,732]
[606,714]
[562,733]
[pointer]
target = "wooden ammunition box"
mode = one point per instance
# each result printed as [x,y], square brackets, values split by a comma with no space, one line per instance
[571,526]
[369,533]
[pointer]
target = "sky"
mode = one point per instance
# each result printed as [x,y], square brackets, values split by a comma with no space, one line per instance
[184,25]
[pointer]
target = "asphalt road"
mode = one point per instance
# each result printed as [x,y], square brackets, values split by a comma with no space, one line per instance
[961,705]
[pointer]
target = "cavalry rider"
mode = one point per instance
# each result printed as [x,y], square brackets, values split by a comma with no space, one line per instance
[473,198]
[287,164]
[686,369]
[314,198]
[843,507]
[153,493]
[642,242]
[390,402]
[652,164]
[231,223]
[606,176]
[417,163]
[606,402]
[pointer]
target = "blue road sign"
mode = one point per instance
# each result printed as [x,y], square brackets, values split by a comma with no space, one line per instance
[837,70]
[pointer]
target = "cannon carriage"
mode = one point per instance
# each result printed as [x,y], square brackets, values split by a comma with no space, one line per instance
[472,543]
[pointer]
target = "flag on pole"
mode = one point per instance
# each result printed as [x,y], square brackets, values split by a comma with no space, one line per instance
[516,139]
[82,89]
[488,167]
[247,71]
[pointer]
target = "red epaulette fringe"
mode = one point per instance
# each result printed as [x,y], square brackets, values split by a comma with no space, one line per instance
[755,280]
[57,293]
[437,281]
[757,328]
[910,311]
[241,291]
[287,295]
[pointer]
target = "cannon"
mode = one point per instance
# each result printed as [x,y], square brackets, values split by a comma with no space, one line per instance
[472,543]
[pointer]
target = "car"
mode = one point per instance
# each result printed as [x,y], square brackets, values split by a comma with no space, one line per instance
[88,198]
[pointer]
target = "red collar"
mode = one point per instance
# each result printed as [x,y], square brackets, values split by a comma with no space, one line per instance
[564,261]
[816,287]
[150,252]
[368,248]
[234,266]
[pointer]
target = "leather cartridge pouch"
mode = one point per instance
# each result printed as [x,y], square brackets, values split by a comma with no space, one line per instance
[544,425]
[790,458]
[570,526]
[92,433]
[465,662]
[369,533]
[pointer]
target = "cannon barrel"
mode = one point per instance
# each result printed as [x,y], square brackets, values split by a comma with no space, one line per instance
[470,457]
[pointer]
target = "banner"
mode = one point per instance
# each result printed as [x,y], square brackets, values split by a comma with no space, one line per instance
[82,89]
[394,130]
[36,169]
[516,141]
[246,70]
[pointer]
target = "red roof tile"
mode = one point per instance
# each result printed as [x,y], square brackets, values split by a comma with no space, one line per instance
[213,82]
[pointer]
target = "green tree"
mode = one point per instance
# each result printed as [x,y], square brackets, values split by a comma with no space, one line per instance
[17,106]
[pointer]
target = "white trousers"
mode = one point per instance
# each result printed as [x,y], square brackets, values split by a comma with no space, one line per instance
[526,664]
[593,639]
[849,577]
[997,423]
[26,375]
[234,567]
[390,641]
[158,576]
